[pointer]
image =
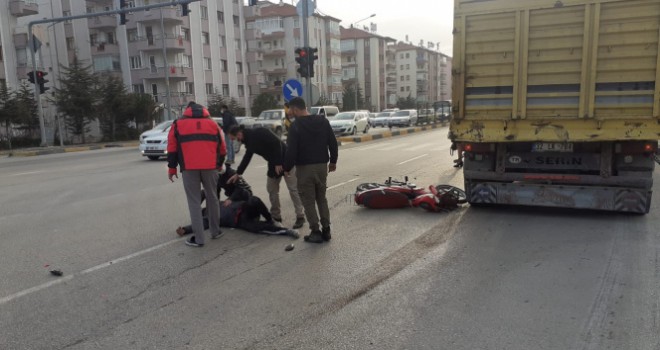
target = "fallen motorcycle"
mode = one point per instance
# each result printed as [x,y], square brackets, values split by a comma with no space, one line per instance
[395,194]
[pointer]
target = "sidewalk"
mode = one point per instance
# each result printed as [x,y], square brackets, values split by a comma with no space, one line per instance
[40,151]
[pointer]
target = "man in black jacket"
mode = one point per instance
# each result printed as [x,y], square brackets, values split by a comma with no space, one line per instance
[228,121]
[265,143]
[311,146]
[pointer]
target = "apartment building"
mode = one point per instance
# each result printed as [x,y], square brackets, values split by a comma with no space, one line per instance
[14,53]
[274,32]
[369,61]
[422,74]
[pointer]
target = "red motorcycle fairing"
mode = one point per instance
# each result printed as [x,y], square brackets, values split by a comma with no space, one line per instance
[382,199]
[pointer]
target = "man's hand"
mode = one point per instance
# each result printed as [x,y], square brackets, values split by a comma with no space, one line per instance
[332,167]
[226,203]
[171,174]
[233,179]
[279,169]
[287,174]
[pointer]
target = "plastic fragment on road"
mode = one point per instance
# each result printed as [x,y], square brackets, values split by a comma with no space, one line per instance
[56,273]
[289,247]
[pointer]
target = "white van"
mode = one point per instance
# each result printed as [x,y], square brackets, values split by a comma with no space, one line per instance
[328,111]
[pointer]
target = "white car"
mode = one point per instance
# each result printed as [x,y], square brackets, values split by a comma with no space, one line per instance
[381,119]
[350,123]
[153,143]
[403,118]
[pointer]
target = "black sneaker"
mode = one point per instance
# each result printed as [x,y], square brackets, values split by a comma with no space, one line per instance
[191,242]
[300,222]
[277,220]
[220,234]
[326,234]
[314,237]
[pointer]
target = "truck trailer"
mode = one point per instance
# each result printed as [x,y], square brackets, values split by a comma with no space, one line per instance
[556,103]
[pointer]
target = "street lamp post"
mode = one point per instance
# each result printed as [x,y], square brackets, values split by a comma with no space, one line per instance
[357,81]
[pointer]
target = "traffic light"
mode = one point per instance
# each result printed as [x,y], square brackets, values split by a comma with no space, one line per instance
[185,11]
[31,77]
[303,61]
[41,81]
[312,59]
[122,16]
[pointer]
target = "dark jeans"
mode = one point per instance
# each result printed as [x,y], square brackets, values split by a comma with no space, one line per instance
[249,219]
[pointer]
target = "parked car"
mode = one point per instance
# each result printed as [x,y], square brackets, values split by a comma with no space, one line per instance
[272,119]
[153,145]
[406,117]
[390,110]
[328,111]
[241,121]
[349,123]
[382,119]
[425,116]
[372,117]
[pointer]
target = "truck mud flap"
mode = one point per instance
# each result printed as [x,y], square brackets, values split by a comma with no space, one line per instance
[560,196]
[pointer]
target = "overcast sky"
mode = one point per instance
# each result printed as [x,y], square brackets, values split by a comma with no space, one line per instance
[428,20]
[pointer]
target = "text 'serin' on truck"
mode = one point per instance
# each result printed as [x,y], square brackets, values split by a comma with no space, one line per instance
[557,103]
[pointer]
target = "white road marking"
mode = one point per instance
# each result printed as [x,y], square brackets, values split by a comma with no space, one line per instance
[411,159]
[67,278]
[342,184]
[28,173]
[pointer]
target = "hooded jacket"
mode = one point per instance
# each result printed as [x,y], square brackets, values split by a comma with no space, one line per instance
[195,142]
[311,141]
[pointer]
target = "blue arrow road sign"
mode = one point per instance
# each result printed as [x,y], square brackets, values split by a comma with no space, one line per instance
[292,88]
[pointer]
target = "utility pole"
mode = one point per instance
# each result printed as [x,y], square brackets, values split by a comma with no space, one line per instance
[308,80]
[168,106]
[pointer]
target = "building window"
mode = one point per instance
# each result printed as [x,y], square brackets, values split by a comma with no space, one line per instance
[138,88]
[190,88]
[66,14]
[221,17]
[407,88]
[407,66]
[235,1]
[241,91]
[0,52]
[225,89]
[223,41]
[132,35]
[187,61]
[209,89]
[408,55]
[239,67]
[237,42]
[205,12]
[407,77]
[205,38]
[403,89]
[401,67]
[185,32]
[236,22]
[401,56]
[70,44]
[93,39]
[207,63]
[136,62]
[110,37]
[224,65]
[403,78]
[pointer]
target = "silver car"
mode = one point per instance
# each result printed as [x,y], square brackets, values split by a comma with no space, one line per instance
[381,119]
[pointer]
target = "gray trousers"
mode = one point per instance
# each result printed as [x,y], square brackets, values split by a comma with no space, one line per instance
[273,188]
[191,184]
[312,185]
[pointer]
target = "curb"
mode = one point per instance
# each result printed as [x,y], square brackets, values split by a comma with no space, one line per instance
[386,134]
[69,149]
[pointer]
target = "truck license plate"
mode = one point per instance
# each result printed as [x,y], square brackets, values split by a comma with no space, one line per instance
[552,147]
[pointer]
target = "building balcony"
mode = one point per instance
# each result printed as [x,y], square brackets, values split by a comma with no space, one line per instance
[102,22]
[274,53]
[275,70]
[22,8]
[273,35]
[253,34]
[154,43]
[21,40]
[254,56]
[176,71]
[105,49]
[170,15]
[422,59]
[390,79]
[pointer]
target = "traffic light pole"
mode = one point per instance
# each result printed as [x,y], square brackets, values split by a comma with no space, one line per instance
[37,97]
[308,80]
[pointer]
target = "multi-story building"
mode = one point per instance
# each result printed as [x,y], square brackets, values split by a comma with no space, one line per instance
[422,74]
[369,61]
[274,32]
[14,45]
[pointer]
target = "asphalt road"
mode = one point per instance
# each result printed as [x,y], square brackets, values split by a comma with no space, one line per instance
[487,278]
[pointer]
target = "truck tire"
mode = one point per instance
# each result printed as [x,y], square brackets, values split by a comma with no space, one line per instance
[153,157]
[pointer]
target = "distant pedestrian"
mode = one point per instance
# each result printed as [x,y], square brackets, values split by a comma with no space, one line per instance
[228,120]
[312,149]
[265,143]
[196,144]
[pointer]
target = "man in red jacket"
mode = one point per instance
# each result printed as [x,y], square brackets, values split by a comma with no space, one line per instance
[196,144]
